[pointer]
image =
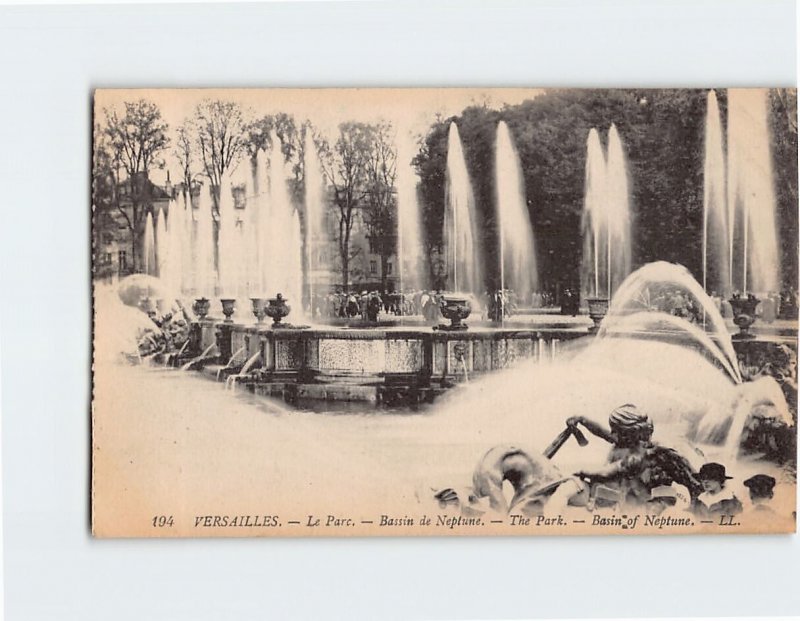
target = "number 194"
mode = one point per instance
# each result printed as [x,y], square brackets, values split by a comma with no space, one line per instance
[160,521]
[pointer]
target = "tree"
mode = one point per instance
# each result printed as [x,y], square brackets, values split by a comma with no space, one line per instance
[220,138]
[662,132]
[431,164]
[380,203]
[345,167]
[183,153]
[783,105]
[105,166]
[135,141]
[258,137]
[104,161]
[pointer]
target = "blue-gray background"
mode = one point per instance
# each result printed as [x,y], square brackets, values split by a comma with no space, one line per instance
[51,58]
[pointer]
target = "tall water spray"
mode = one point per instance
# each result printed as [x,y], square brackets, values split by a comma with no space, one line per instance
[518,270]
[227,259]
[260,206]
[410,248]
[162,246]
[283,267]
[464,258]
[294,284]
[205,274]
[606,221]
[314,206]
[188,258]
[245,236]
[593,269]
[149,247]
[716,268]
[619,211]
[753,244]
[174,227]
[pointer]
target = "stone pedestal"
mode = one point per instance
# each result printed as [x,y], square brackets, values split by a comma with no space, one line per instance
[223,336]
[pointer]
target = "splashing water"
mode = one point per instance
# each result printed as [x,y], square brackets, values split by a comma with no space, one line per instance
[518,269]
[685,378]
[461,234]
[664,297]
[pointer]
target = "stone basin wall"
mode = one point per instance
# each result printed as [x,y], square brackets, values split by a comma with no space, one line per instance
[371,354]
[358,364]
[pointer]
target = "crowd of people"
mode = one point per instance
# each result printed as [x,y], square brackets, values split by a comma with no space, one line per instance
[368,305]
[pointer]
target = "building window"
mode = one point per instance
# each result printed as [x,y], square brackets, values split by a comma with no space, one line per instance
[389,268]
[123,260]
[373,267]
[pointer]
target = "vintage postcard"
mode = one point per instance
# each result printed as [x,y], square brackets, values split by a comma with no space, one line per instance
[383,312]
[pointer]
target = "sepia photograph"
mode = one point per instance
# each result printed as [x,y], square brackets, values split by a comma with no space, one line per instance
[436,312]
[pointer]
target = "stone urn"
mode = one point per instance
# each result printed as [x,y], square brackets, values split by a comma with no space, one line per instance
[744,314]
[201,307]
[598,308]
[259,308]
[228,308]
[277,309]
[456,309]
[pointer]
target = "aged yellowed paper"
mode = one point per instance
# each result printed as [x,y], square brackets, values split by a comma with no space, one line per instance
[348,312]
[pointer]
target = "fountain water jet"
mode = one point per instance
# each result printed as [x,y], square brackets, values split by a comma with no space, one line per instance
[261,215]
[683,377]
[205,274]
[283,268]
[314,206]
[647,302]
[716,267]
[246,240]
[518,270]
[175,227]
[186,216]
[410,249]
[606,217]
[619,212]
[227,259]
[751,196]
[162,249]
[593,214]
[149,248]
[464,257]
